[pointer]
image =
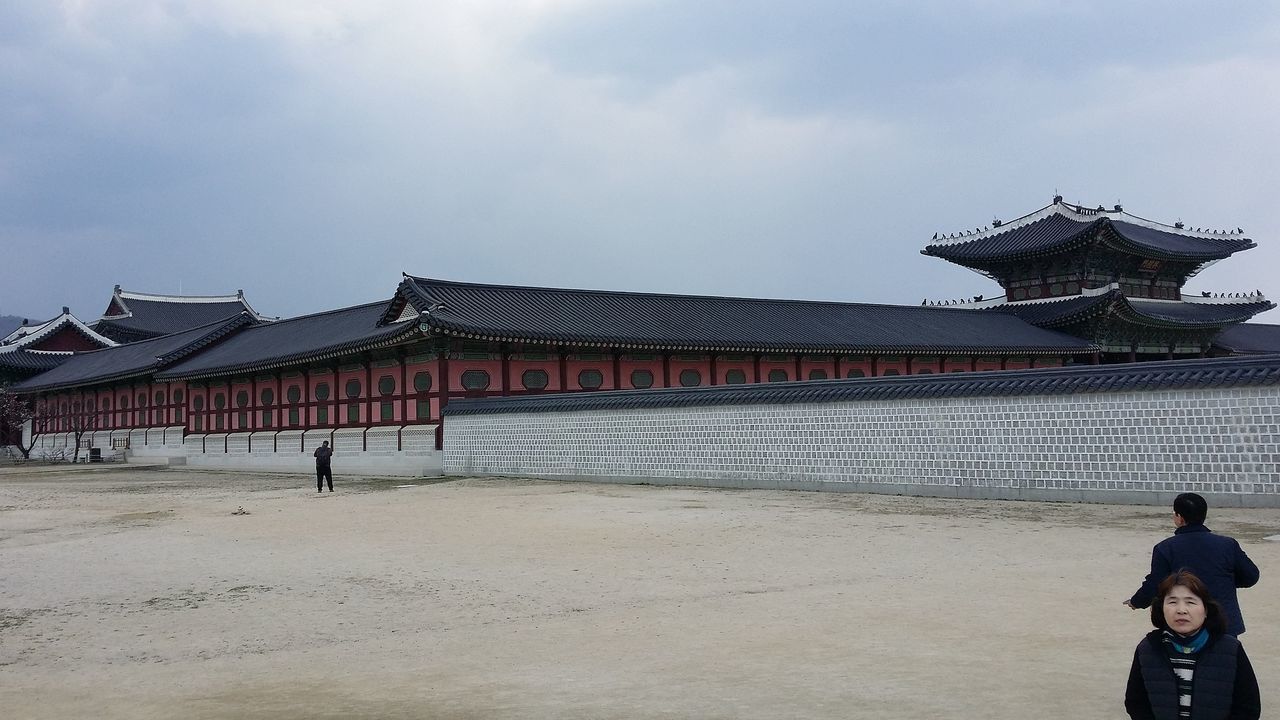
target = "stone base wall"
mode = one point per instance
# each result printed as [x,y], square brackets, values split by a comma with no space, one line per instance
[407,451]
[1126,447]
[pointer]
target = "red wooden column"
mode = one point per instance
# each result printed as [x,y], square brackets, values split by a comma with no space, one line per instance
[506,370]
[799,367]
[755,362]
[369,398]
[666,369]
[442,372]
[333,398]
[713,368]
[404,386]
[910,362]
[875,366]
[564,368]
[617,369]
[838,373]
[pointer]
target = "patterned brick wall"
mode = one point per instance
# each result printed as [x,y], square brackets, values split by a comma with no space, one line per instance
[1133,447]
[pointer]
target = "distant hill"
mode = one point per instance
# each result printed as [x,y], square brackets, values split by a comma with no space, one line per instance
[8,323]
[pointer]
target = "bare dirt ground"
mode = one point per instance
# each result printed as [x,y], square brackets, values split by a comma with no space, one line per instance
[129,593]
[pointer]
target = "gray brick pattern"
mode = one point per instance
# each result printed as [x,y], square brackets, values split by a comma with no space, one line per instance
[1133,447]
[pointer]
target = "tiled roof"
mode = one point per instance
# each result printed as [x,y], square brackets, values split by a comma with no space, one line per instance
[1061,227]
[28,335]
[1220,372]
[295,340]
[22,359]
[132,359]
[1164,313]
[702,323]
[146,315]
[1250,338]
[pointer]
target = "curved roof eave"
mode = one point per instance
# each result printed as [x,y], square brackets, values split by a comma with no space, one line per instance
[642,346]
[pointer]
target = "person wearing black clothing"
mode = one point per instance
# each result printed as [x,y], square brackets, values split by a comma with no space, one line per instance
[1218,560]
[1188,668]
[323,471]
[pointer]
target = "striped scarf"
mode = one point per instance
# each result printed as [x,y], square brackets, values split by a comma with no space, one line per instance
[1182,655]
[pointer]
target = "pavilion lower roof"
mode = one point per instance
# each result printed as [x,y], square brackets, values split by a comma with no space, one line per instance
[1249,338]
[1160,313]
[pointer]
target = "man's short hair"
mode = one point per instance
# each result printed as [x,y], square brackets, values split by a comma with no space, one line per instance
[1191,507]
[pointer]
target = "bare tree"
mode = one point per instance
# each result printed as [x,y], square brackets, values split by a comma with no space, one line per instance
[15,412]
[83,419]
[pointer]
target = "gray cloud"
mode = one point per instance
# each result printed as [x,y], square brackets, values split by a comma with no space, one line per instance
[310,152]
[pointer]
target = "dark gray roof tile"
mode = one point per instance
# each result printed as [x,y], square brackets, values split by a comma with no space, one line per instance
[1250,338]
[694,322]
[132,359]
[300,339]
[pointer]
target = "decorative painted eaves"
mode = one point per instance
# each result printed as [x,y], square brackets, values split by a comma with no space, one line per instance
[1149,376]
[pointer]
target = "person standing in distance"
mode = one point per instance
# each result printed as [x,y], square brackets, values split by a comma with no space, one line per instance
[323,471]
[1217,560]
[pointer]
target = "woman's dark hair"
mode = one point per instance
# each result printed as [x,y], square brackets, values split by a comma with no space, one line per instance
[1213,616]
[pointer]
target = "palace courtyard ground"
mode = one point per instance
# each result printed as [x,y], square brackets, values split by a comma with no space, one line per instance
[137,593]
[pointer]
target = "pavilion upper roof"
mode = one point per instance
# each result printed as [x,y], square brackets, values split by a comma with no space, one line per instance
[1061,227]
[134,315]
[651,321]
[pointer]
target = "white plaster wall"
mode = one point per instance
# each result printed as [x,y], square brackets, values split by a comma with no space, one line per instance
[275,450]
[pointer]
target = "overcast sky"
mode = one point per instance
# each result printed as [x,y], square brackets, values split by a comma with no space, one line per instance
[310,151]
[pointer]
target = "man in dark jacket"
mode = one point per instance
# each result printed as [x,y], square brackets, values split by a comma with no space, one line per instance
[1218,560]
[323,471]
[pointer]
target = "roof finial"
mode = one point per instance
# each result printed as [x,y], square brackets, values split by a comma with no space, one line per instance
[996,222]
[1118,207]
[1057,197]
[1179,224]
[66,310]
[117,289]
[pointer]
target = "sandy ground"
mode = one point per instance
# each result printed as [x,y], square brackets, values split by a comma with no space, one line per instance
[130,593]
